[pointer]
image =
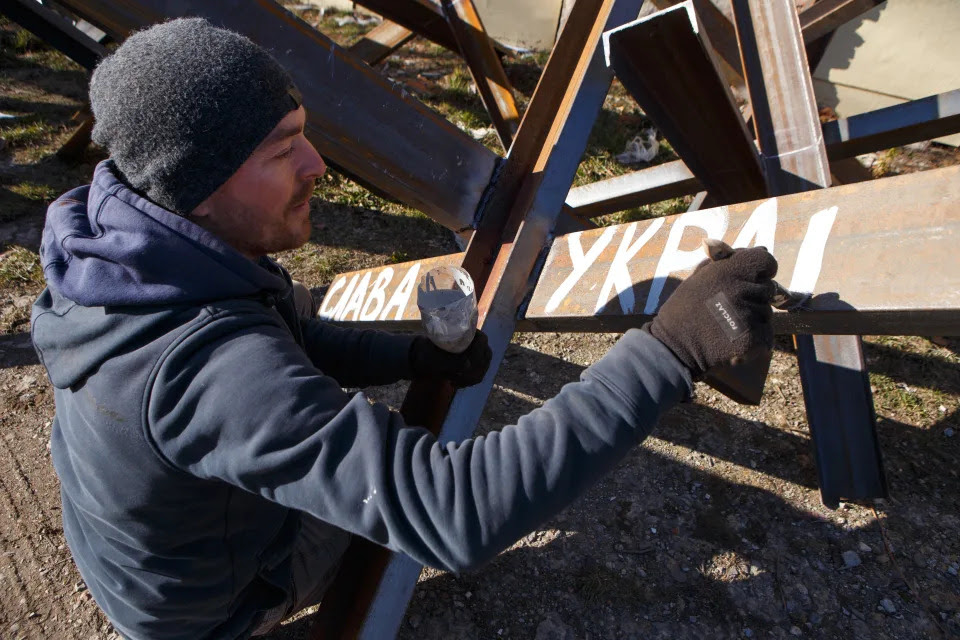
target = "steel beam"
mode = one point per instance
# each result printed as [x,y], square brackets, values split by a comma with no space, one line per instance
[55,30]
[356,117]
[722,37]
[836,384]
[825,16]
[79,140]
[666,62]
[420,16]
[502,254]
[900,124]
[785,112]
[636,189]
[880,258]
[377,44]
[485,67]
[923,119]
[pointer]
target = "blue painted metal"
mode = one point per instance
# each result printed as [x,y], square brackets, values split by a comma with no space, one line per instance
[922,119]
[836,385]
[514,275]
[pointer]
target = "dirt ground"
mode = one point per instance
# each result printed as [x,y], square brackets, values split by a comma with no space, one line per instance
[713,528]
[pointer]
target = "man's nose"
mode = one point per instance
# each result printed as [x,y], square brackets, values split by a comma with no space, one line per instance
[314,166]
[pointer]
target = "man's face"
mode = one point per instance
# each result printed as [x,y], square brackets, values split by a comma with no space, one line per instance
[265,206]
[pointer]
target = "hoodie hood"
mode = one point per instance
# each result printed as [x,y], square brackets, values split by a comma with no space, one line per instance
[105,245]
[118,267]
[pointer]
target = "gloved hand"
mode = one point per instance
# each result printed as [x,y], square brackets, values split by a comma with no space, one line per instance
[721,314]
[462,369]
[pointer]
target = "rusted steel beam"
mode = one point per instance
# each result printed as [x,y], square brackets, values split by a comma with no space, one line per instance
[900,124]
[382,296]
[653,184]
[79,140]
[825,16]
[420,16]
[485,67]
[880,257]
[836,384]
[722,37]
[781,91]
[55,30]
[636,189]
[897,125]
[376,45]
[666,62]
[524,206]
[355,117]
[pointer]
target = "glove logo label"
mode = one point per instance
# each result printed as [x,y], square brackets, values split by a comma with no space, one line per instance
[722,311]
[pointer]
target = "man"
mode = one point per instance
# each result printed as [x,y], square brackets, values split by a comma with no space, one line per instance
[211,466]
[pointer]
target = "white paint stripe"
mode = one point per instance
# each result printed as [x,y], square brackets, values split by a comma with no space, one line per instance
[713,221]
[760,228]
[401,297]
[342,302]
[356,300]
[810,257]
[580,263]
[325,312]
[618,275]
[377,296]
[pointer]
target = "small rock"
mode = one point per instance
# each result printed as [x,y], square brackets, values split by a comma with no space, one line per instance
[795,631]
[865,548]
[851,559]
[888,606]
[948,432]
[952,571]
[553,628]
[942,409]
[748,632]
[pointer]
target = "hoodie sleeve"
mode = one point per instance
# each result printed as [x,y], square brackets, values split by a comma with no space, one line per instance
[358,357]
[238,401]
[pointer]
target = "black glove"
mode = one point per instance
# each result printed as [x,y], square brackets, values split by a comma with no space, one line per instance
[465,369]
[721,314]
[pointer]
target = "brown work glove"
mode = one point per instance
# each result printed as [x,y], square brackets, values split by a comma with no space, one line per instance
[721,314]
[462,369]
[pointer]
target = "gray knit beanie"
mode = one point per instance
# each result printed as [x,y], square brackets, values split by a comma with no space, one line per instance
[181,105]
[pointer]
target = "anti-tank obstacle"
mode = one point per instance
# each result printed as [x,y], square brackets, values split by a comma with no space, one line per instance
[878,256]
